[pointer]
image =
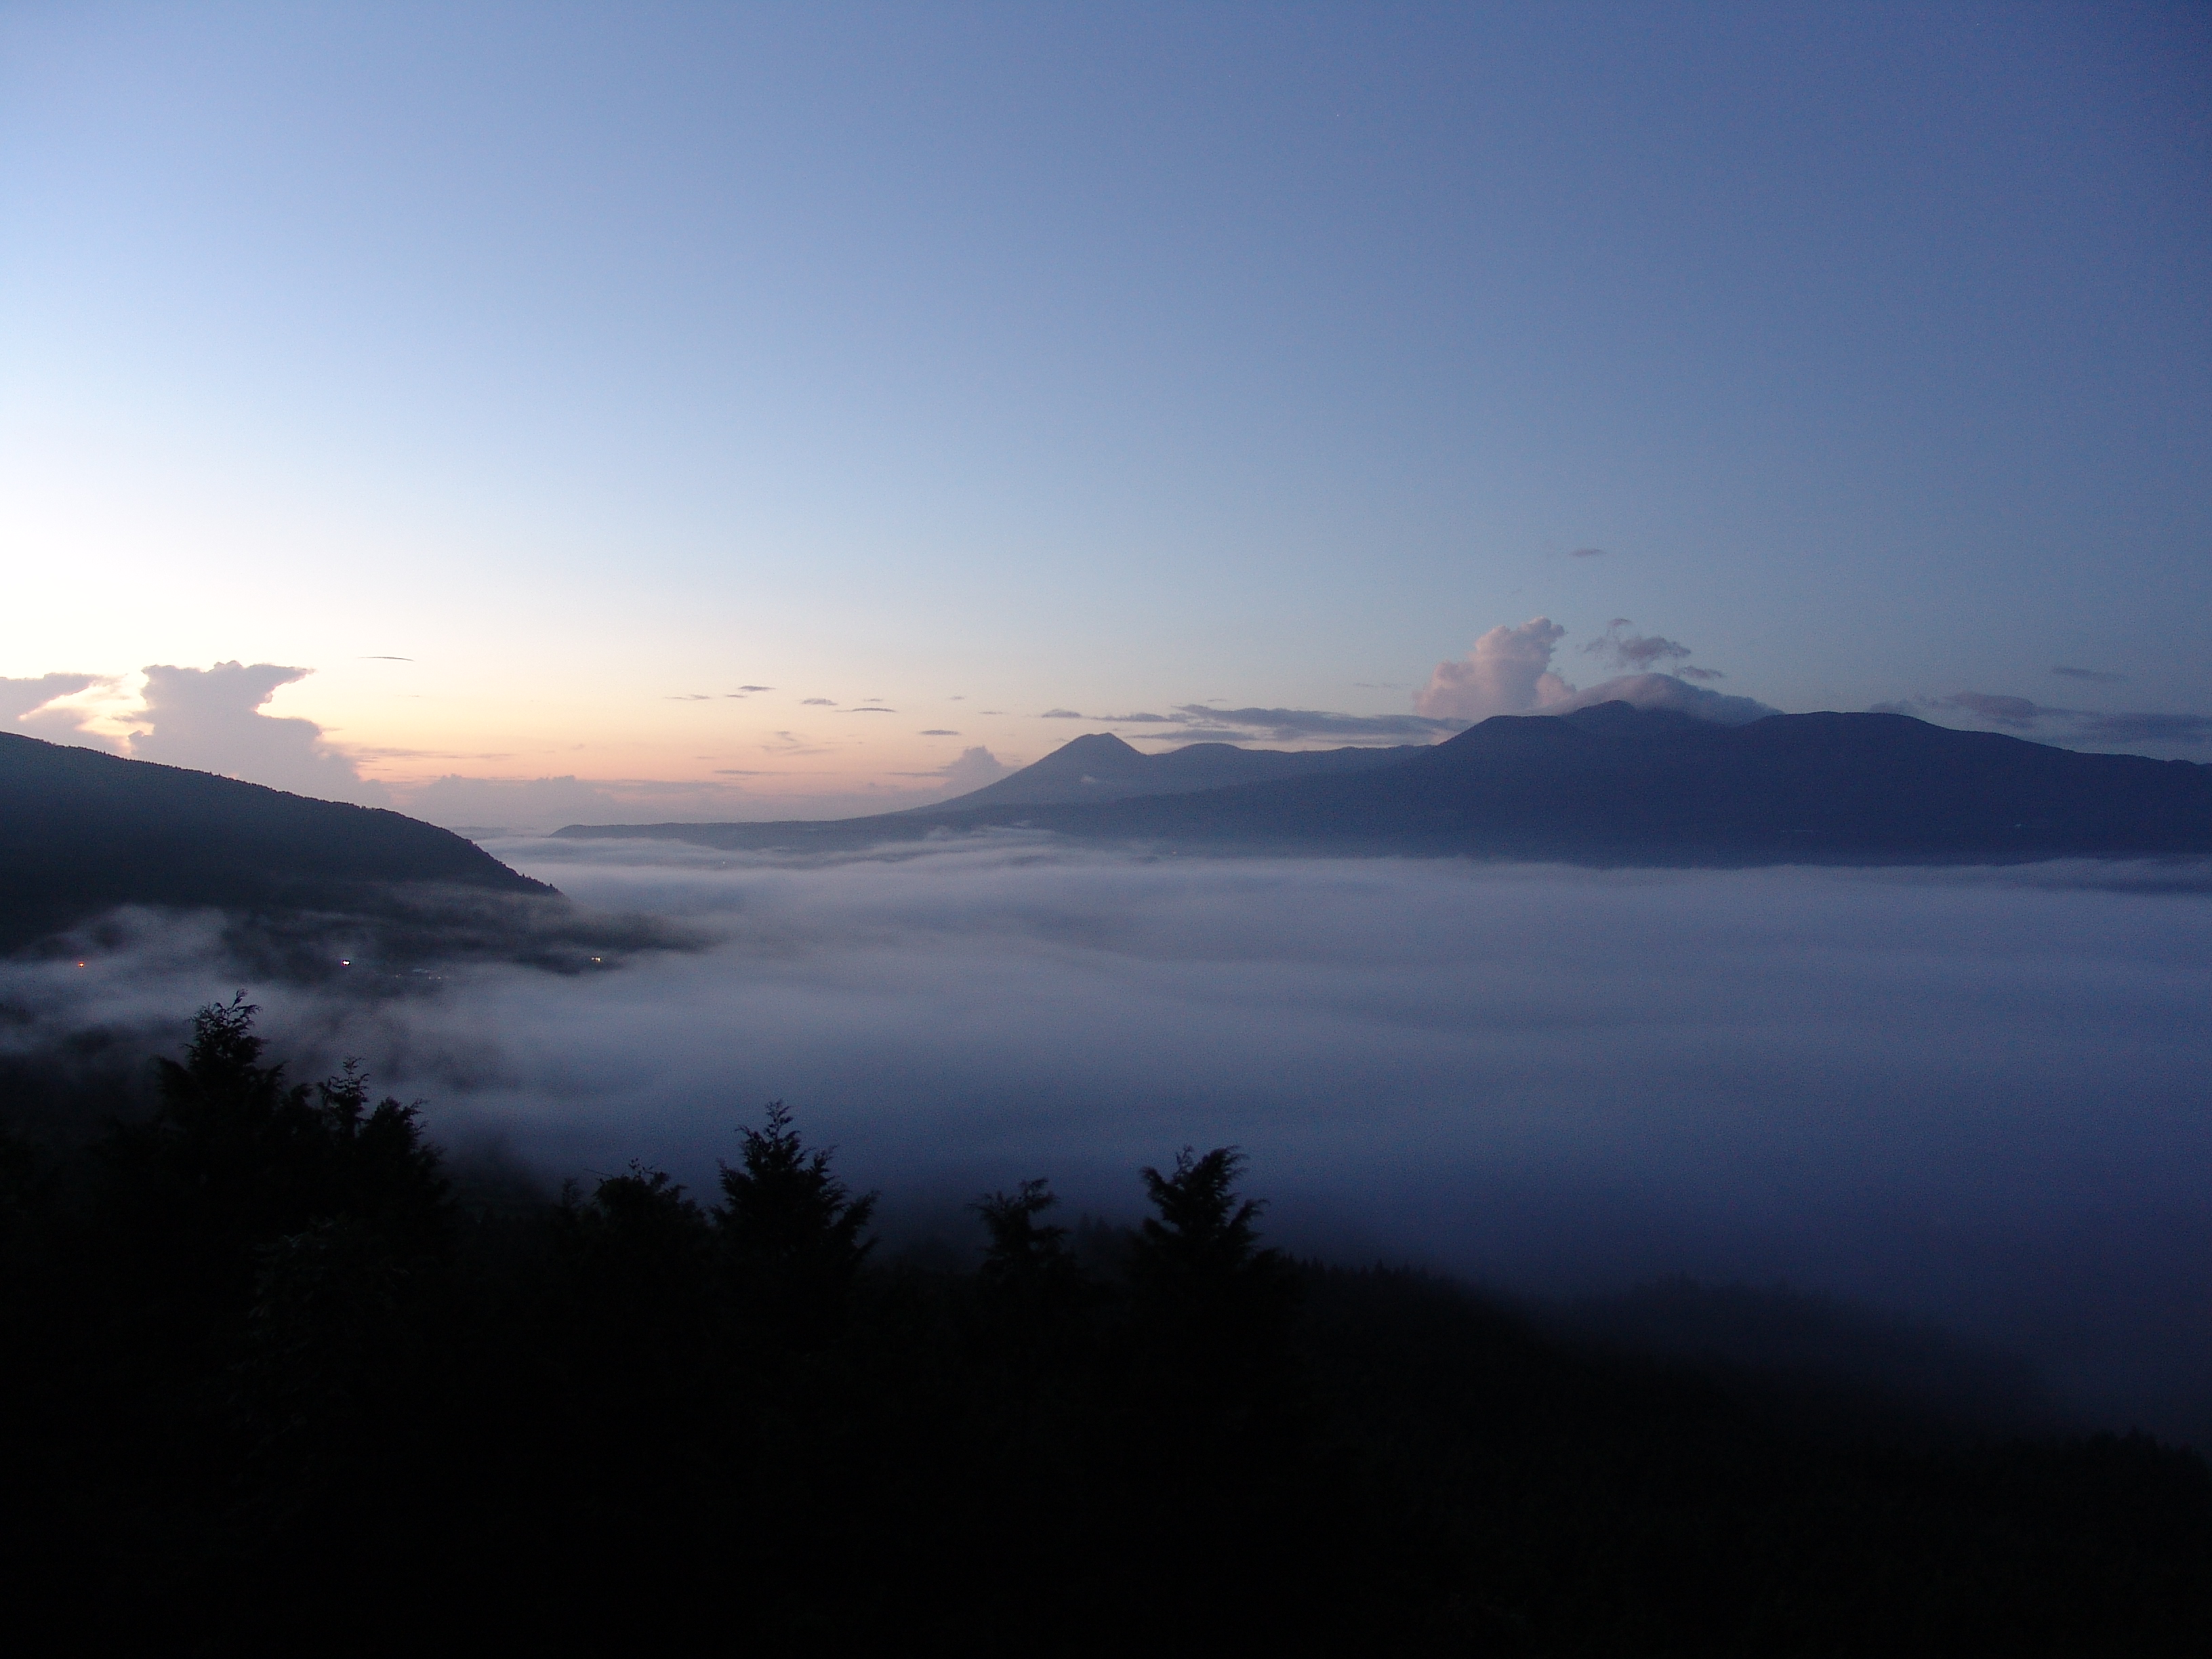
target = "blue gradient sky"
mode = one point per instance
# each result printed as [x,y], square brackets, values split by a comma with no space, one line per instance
[1102,358]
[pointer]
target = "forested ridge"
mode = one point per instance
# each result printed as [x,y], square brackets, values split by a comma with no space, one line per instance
[277,1381]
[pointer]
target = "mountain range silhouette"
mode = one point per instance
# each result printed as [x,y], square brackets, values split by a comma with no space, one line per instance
[81,832]
[1610,785]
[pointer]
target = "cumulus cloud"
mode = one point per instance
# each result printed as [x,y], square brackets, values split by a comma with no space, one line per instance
[1508,671]
[25,697]
[975,768]
[40,708]
[210,720]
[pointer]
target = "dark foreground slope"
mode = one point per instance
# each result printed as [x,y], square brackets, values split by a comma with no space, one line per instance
[1616,785]
[271,1388]
[82,832]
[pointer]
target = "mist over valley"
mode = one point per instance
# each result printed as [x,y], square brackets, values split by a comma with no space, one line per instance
[1972,1095]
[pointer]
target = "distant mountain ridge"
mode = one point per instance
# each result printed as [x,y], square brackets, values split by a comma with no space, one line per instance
[81,832]
[1099,767]
[1615,784]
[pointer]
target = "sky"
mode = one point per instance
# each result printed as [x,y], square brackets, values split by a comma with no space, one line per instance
[537,413]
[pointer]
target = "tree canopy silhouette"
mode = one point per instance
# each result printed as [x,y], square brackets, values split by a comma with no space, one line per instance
[790,1230]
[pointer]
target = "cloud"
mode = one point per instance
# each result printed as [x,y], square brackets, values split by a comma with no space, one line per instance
[975,768]
[2145,727]
[2119,729]
[756,688]
[2096,674]
[794,743]
[1288,725]
[1058,714]
[1637,654]
[2016,712]
[936,731]
[208,718]
[1507,671]
[1973,1094]
[1665,691]
[688,696]
[20,697]
[870,708]
[1587,553]
[39,708]
[816,703]
[458,802]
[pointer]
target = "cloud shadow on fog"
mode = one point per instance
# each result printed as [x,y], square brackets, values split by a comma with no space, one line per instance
[1969,1096]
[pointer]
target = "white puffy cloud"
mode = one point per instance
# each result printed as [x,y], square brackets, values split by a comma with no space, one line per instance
[210,720]
[975,768]
[1508,671]
[39,708]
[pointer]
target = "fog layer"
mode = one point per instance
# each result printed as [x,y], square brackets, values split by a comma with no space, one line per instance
[1976,1095]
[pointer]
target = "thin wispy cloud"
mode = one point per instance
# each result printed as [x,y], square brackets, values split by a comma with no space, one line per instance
[2116,727]
[1631,653]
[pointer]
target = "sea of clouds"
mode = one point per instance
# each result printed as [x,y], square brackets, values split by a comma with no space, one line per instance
[1980,1097]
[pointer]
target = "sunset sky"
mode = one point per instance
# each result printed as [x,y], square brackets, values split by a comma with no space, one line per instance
[764,411]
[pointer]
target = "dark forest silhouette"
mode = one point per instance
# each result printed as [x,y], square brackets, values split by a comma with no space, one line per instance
[272,1382]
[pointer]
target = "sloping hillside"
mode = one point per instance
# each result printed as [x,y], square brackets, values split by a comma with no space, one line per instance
[81,832]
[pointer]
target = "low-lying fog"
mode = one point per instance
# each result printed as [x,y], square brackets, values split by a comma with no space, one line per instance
[1979,1096]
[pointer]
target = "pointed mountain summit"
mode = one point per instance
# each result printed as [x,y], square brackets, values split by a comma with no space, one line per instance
[1099,767]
